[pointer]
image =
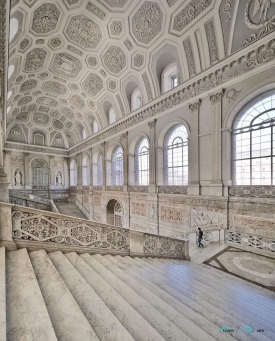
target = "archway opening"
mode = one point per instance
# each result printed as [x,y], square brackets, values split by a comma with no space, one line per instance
[114,213]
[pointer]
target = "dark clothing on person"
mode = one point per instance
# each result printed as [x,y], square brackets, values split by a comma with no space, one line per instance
[200,238]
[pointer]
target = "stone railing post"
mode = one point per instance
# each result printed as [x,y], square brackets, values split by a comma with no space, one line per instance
[6,239]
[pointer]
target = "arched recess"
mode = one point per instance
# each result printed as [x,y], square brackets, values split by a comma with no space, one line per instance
[38,131]
[81,131]
[129,86]
[161,59]
[250,96]
[86,170]
[105,105]
[132,149]
[58,140]
[17,133]
[92,123]
[39,173]
[73,173]
[114,211]
[97,168]
[16,26]
[109,162]
[161,135]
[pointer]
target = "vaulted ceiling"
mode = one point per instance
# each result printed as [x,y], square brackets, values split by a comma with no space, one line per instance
[71,60]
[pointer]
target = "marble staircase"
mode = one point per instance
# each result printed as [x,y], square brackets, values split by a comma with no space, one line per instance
[71,297]
[70,210]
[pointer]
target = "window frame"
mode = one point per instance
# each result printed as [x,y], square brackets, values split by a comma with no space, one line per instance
[138,156]
[117,162]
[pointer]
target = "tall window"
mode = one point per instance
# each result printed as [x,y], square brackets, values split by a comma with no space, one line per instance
[40,173]
[174,81]
[254,144]
[99,170]
[86,171]
[112,115]
[73,173]
[38,139]
[176,156]
[142,162]
[117,167]
[84,134]
[136,100]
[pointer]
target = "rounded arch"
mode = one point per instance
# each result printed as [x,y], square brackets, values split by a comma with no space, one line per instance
[73,172]
[114,212]
[169,77]
[167,126]
[105,105]
[86,170]
[39,173]
[136,99]
[166,55]
[129,85]
[97,164]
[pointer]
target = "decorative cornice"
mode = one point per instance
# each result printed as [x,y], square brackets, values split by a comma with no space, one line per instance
[194,107]
[152,124]
[183,93]
[123,136]
[35,149]
[217,97]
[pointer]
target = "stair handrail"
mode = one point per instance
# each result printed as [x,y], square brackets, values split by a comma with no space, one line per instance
[38,229]
[53,207]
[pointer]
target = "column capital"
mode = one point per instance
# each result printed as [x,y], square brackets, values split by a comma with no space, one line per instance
[123,136]
[104,144]
[217,97]
[194,107]
[26,154]
[152,124]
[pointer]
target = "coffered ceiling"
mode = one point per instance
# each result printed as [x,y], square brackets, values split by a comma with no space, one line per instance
[71,60]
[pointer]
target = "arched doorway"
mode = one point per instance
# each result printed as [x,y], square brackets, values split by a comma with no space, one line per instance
[114,213]
[40,174]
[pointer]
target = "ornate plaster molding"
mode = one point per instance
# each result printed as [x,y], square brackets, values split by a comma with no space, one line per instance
[217,97]
[194,107]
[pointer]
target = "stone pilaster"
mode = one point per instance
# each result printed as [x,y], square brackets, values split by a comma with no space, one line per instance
[152,157]
[79,170]
[194,180]
[51,173]
[216,105]
[90,151]
[104,164]
[124,142]
[27,170]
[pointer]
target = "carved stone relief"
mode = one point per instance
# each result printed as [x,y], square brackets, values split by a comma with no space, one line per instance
[47,101]
[66,65]
[92,84]
[147,86]
[84,31]
[77,101]
[35,59]
[28,85]
[45,18]
[206,219]
[212,41]
[147,22]
[17,160]
[95,10]
[24,100]
[171,214]
[114,59]
[189,56]
[54,88]
[41,119]
[58,163]
[138,209]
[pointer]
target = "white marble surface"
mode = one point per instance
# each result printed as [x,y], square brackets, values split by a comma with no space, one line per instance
[2,294]
[155,311]
[156,297]
[104,323]
[27,316]
[137,326]
[70,324]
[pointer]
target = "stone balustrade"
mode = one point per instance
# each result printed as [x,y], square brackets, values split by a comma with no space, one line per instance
[36,229]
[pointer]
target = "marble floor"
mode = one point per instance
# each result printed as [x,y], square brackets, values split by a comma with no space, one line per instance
[255,268]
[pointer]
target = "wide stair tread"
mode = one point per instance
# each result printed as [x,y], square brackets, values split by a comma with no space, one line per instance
[70,210]
[27,315]
[70,324]
[100,317]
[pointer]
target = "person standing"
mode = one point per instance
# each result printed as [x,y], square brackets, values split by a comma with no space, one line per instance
[200,234]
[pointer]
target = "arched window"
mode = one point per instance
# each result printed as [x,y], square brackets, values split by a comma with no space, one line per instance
[9,95]
[112,115]
[95,127]
[176,156]
[254,143]
[99,170]
[117,167]
[84,134]
[14,26]
[136,100]
[11,70]
[40,173]
[169,78]
[38,139]
[114,213]
[142,162]
[73,173]
[86,171]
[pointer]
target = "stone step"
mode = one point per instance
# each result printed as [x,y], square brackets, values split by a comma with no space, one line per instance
[27,315]
[236,304]
[70,210]
[206,309]
[69,322]
[161,324]
[3,326]
[136,325]
[155,301]
[193,324]
[105,324]
[250,289]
